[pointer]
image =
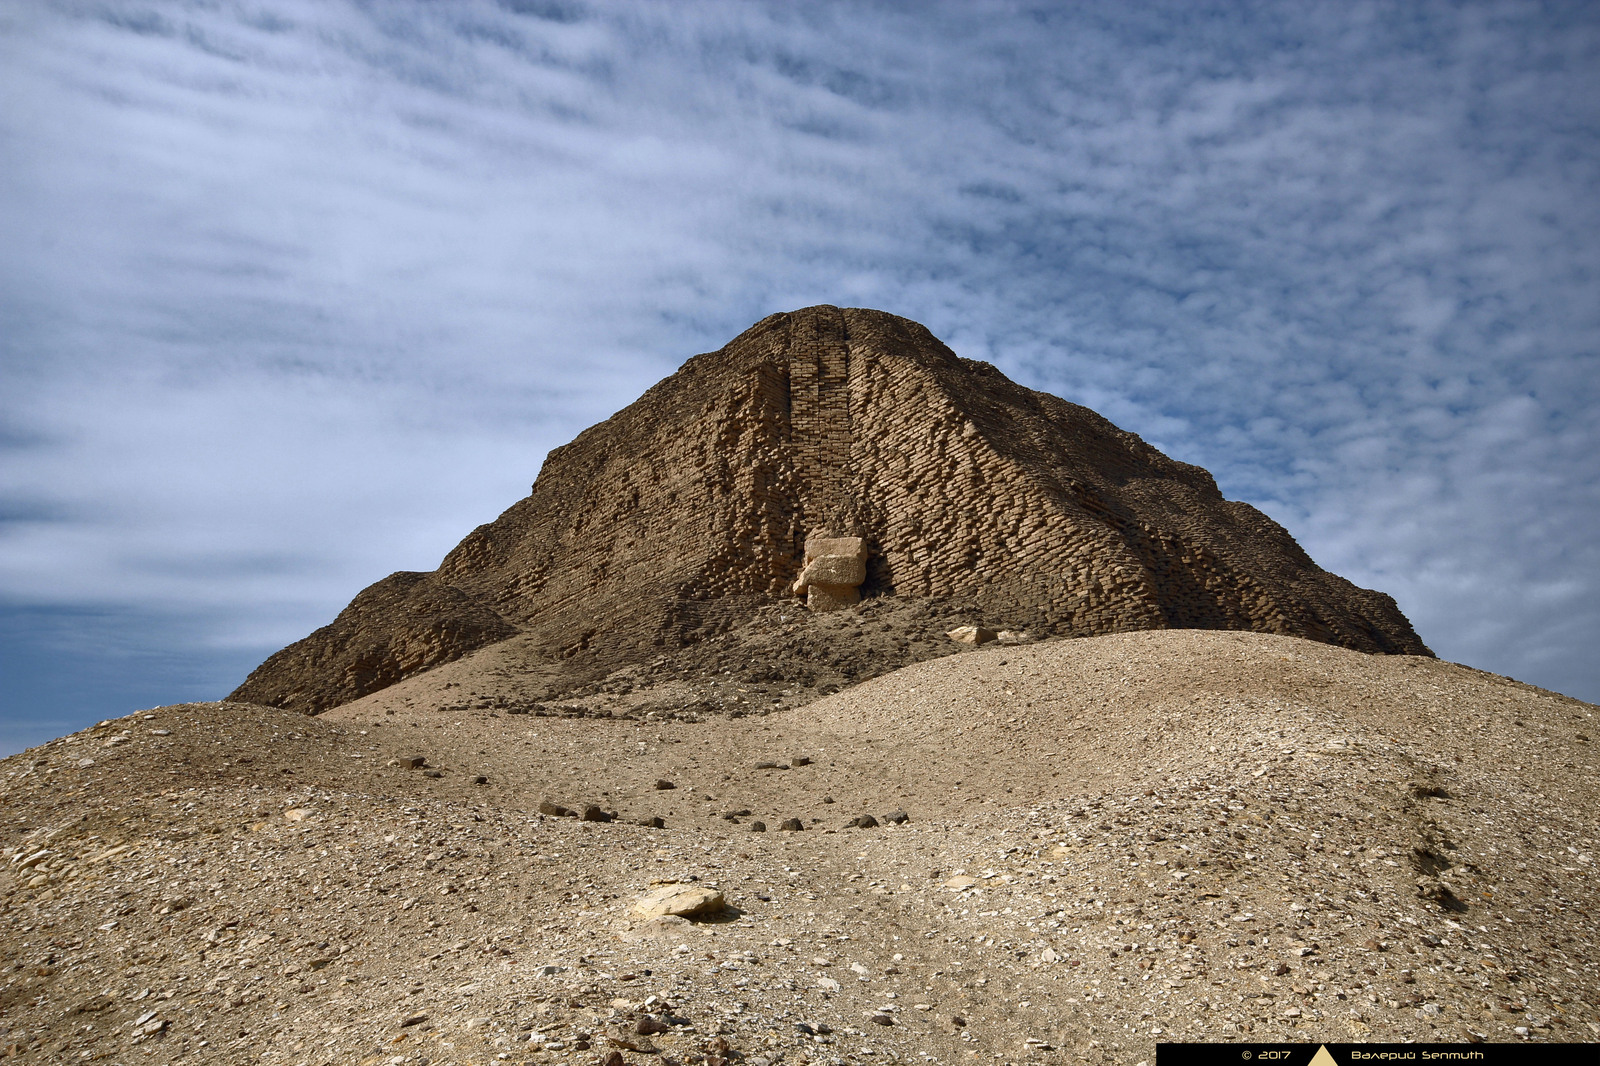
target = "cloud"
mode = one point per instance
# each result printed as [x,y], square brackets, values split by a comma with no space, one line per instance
[293,294]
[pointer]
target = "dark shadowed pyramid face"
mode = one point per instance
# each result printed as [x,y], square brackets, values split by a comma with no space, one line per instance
[827,458]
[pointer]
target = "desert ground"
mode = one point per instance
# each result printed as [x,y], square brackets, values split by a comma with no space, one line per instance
[1082,847]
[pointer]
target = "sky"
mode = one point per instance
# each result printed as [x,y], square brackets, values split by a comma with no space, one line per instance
[295,294]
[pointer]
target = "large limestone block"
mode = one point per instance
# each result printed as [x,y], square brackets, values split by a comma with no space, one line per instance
[831,597]
[681,900]
[836,547]
[834,570]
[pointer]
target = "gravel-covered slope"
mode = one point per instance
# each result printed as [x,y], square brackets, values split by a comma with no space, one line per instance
[1109,842]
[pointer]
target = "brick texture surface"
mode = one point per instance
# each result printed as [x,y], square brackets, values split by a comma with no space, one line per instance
[660,525]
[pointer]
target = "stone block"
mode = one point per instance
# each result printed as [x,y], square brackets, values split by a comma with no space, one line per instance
[834,570]
[836,547]
[832,597]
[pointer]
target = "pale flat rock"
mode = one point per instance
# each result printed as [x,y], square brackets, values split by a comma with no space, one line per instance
[679,900]
[972,634]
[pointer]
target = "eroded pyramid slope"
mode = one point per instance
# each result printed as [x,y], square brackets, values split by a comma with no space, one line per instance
[691,507]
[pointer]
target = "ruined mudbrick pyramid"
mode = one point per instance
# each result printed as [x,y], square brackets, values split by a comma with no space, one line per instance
[825,457]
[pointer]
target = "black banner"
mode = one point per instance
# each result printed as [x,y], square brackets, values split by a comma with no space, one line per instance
[1314,1054]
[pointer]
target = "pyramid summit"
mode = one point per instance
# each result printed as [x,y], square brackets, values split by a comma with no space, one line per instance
[830,457]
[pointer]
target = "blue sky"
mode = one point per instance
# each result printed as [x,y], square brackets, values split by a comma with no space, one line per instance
[294,294]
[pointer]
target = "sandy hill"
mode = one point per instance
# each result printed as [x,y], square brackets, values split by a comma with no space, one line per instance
[1107,842]
[825,456]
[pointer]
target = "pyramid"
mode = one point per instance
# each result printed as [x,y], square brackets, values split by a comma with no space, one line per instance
[824,457]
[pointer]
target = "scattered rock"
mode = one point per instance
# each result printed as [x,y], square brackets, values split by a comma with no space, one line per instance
[972,635]
[791,825]
[864,821]
[94,1004]
[555,809]
[663,784]
[592,813]
[758,827]
[897,818]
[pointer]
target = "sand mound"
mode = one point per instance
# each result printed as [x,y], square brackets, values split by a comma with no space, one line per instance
[1108,842]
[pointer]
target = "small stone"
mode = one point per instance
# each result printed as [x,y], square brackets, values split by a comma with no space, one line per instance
[94,1004]
[654,821]
[758,827]
[800,760]
[961,882]
[630,1042]
[881,1019]
[555,809]
[790,825]
[766,766]
[84,764]
[591,813]
[480,780]
[865,821]
[663,784]
[414,1019]
[897,817]
[972,635]
[415,762]
[650,1025]
[432,773]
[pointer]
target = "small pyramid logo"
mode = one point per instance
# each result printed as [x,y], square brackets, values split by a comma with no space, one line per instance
[1322,1057]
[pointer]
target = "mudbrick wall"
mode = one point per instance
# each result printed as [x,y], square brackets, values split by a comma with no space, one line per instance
[693,505]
